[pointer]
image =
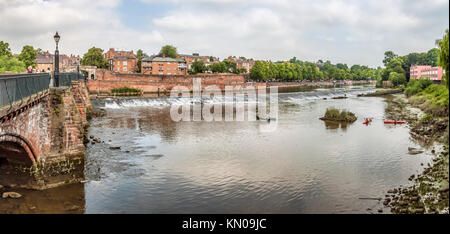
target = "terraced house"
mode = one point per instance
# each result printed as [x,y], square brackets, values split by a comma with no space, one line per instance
[163,66]
[121,61]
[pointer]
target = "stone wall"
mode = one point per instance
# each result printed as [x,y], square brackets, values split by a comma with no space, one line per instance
[107,81]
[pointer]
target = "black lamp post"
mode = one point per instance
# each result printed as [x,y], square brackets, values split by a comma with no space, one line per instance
[56,71]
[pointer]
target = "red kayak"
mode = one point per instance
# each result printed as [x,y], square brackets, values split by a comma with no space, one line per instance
[394,122]
[367,121]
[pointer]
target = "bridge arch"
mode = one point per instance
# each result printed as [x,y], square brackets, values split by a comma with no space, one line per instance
[16,147]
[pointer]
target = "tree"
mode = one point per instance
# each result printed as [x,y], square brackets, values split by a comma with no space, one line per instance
[443,55]
[388,56]
[140,55]
[39,51]
[28,56]
[230,65]
[397,78]
[218,68]
[169,51]
[94,57]
[4,49]
[10,64]
[259,71]
[198,66]
[432,57]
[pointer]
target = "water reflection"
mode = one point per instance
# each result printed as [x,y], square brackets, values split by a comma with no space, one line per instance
[305,166]
[332,125]
[68,199]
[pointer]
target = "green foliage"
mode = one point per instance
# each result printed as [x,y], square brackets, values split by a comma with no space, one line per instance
[416,86]
[10,64]
[334,114]
[126,89]
[388,56]
[140,55]
[437,95]
[169,51]
[28,56]
[397,78]
[299,70]
[198,66]
[230,66]
[218,68]
[443,56]
[94,57]
[427,117]
[4,49]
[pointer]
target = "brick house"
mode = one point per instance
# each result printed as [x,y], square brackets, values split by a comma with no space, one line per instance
[432,73]
[163,66]
[121,61]
[46,61]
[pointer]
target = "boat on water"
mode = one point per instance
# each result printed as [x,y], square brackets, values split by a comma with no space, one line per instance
[367,121]
[394,122]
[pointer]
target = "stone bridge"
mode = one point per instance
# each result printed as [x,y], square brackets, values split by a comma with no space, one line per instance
[41,135]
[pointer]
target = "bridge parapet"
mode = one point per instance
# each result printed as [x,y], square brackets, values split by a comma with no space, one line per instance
[45,139]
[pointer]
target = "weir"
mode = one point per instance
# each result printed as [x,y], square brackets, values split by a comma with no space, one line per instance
[42,130]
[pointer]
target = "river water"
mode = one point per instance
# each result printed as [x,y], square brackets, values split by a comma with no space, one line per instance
[305,166]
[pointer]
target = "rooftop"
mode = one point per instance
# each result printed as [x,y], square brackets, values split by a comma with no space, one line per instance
[162,59]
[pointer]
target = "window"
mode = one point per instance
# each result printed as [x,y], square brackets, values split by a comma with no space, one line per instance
[125,69]
[169,73]
[124,63]
[160,73]
[168,62]
[168,69]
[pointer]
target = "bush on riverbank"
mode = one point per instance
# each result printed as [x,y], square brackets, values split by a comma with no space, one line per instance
[417,86]
[333,114]
[125,89]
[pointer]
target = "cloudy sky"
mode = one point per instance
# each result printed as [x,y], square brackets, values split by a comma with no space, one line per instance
[348,31]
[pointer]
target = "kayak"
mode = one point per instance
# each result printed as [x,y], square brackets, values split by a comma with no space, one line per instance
[367,121]
[394,122]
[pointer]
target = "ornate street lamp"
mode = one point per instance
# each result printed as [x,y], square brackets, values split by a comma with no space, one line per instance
[56,71]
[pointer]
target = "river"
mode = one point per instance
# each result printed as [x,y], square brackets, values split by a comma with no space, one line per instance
[305,166]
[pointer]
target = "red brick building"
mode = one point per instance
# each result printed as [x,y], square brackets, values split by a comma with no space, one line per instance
[121,61]
[163,66]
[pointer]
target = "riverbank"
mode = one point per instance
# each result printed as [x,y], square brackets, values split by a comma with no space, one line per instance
[429,192]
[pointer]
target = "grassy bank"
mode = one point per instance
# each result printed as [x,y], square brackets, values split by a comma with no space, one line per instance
[430,190]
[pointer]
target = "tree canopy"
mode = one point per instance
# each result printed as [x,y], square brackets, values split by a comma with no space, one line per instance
[11,64]
[299,70]
[443,55]
[94,57]
[4,49]
[198,66]
[169,51]
[28,56]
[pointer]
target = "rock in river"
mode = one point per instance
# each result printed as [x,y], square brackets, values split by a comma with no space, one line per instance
[11,195]
[114,147]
